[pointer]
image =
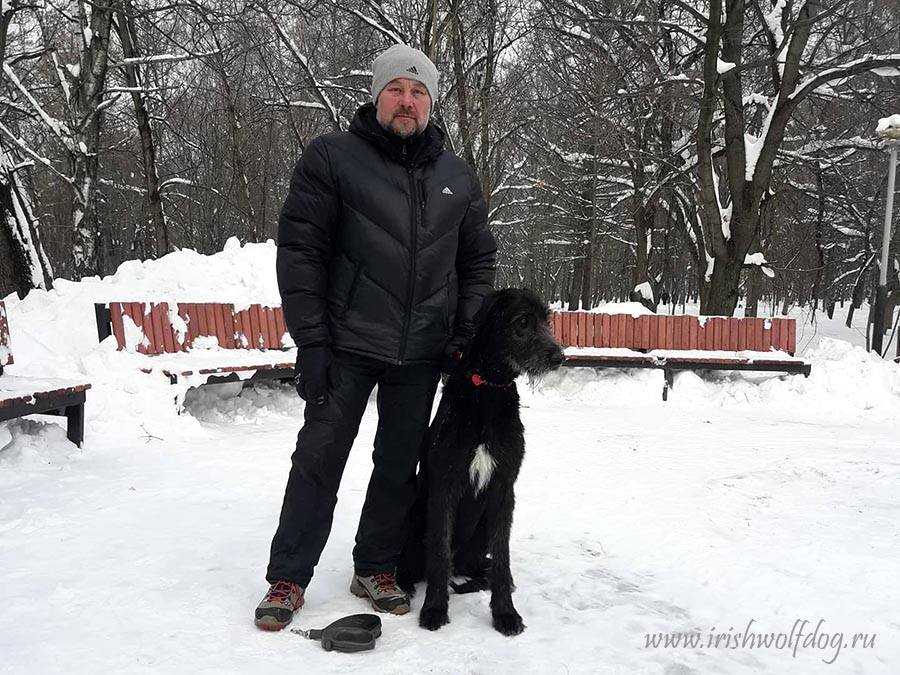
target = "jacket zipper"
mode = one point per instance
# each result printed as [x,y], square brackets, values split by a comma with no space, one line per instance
[414,226]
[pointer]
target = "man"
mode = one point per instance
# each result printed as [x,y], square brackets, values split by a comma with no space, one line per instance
[383,259]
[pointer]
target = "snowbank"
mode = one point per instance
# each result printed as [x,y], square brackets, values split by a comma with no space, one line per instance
[54,334]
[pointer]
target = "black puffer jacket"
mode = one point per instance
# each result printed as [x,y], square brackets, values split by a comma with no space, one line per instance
[383,245]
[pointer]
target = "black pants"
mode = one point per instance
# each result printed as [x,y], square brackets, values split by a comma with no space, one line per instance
[405,394]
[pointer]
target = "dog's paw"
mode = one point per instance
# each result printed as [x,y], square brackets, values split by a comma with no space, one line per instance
[509,623]
[433,618]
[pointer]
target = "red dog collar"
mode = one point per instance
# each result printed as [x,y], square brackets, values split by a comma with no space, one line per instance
[479,381]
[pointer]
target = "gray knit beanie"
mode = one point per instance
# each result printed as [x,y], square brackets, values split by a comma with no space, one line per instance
[404,61]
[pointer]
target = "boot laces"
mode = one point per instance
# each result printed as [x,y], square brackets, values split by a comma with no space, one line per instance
[385,582]
[281,591]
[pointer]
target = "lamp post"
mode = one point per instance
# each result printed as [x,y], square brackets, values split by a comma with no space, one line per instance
[888,129]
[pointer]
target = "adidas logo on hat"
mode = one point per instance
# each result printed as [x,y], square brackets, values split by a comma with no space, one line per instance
[413,70]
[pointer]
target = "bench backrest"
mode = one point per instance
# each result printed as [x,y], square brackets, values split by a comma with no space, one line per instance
[6,356]
[662,331]
[168,328]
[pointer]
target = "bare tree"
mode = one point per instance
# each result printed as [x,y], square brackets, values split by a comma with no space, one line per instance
[755,122]
[20,242]
[132,66]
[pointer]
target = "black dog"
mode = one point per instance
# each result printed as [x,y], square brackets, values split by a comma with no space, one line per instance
[476,446]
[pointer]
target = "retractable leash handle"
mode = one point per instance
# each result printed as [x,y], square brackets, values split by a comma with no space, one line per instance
[348,640]
[340,639]
[354,633]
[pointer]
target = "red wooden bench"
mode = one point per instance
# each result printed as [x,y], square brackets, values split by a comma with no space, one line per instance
[20,396]
[253,343]
[674,343]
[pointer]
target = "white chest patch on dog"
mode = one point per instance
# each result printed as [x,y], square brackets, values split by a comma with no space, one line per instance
[481,468]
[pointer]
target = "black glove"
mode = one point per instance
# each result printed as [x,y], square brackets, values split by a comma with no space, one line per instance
[311,378]
[450,360]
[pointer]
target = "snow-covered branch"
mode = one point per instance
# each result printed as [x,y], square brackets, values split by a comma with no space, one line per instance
[163,58]
[31,153]
[57,127]
[864,64]
[390,33]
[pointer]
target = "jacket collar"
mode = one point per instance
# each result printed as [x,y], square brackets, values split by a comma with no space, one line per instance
[412,152]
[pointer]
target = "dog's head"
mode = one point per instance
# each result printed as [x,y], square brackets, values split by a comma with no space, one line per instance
[512,328]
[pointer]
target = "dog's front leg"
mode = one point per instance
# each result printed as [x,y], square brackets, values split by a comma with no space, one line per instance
[438,558]
[501,501]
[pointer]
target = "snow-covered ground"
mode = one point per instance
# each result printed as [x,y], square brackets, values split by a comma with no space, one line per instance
[746,498]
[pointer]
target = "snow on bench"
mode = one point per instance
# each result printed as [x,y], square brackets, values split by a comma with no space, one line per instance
[673,343]
[201,343]
[20,396]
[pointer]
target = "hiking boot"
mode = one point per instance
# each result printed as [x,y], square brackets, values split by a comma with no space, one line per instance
[278,606]
[382,591]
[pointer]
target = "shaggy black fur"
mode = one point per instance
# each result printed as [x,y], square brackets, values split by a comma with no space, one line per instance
[464,523]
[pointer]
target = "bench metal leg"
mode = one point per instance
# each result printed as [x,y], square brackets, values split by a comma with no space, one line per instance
[75,423]
[670,382]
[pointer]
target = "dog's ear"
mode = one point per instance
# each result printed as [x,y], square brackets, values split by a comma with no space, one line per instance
[486,305]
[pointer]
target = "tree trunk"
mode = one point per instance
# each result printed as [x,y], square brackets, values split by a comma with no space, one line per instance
[485,100]
[754,280]
[459,72]
[574,289]
[21,241]
[643,222]
[87,97]
[722,294]
[587,281]
[858,293]
[818,288]
[586,273]
[238,146]
[153,205]
[891,303]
